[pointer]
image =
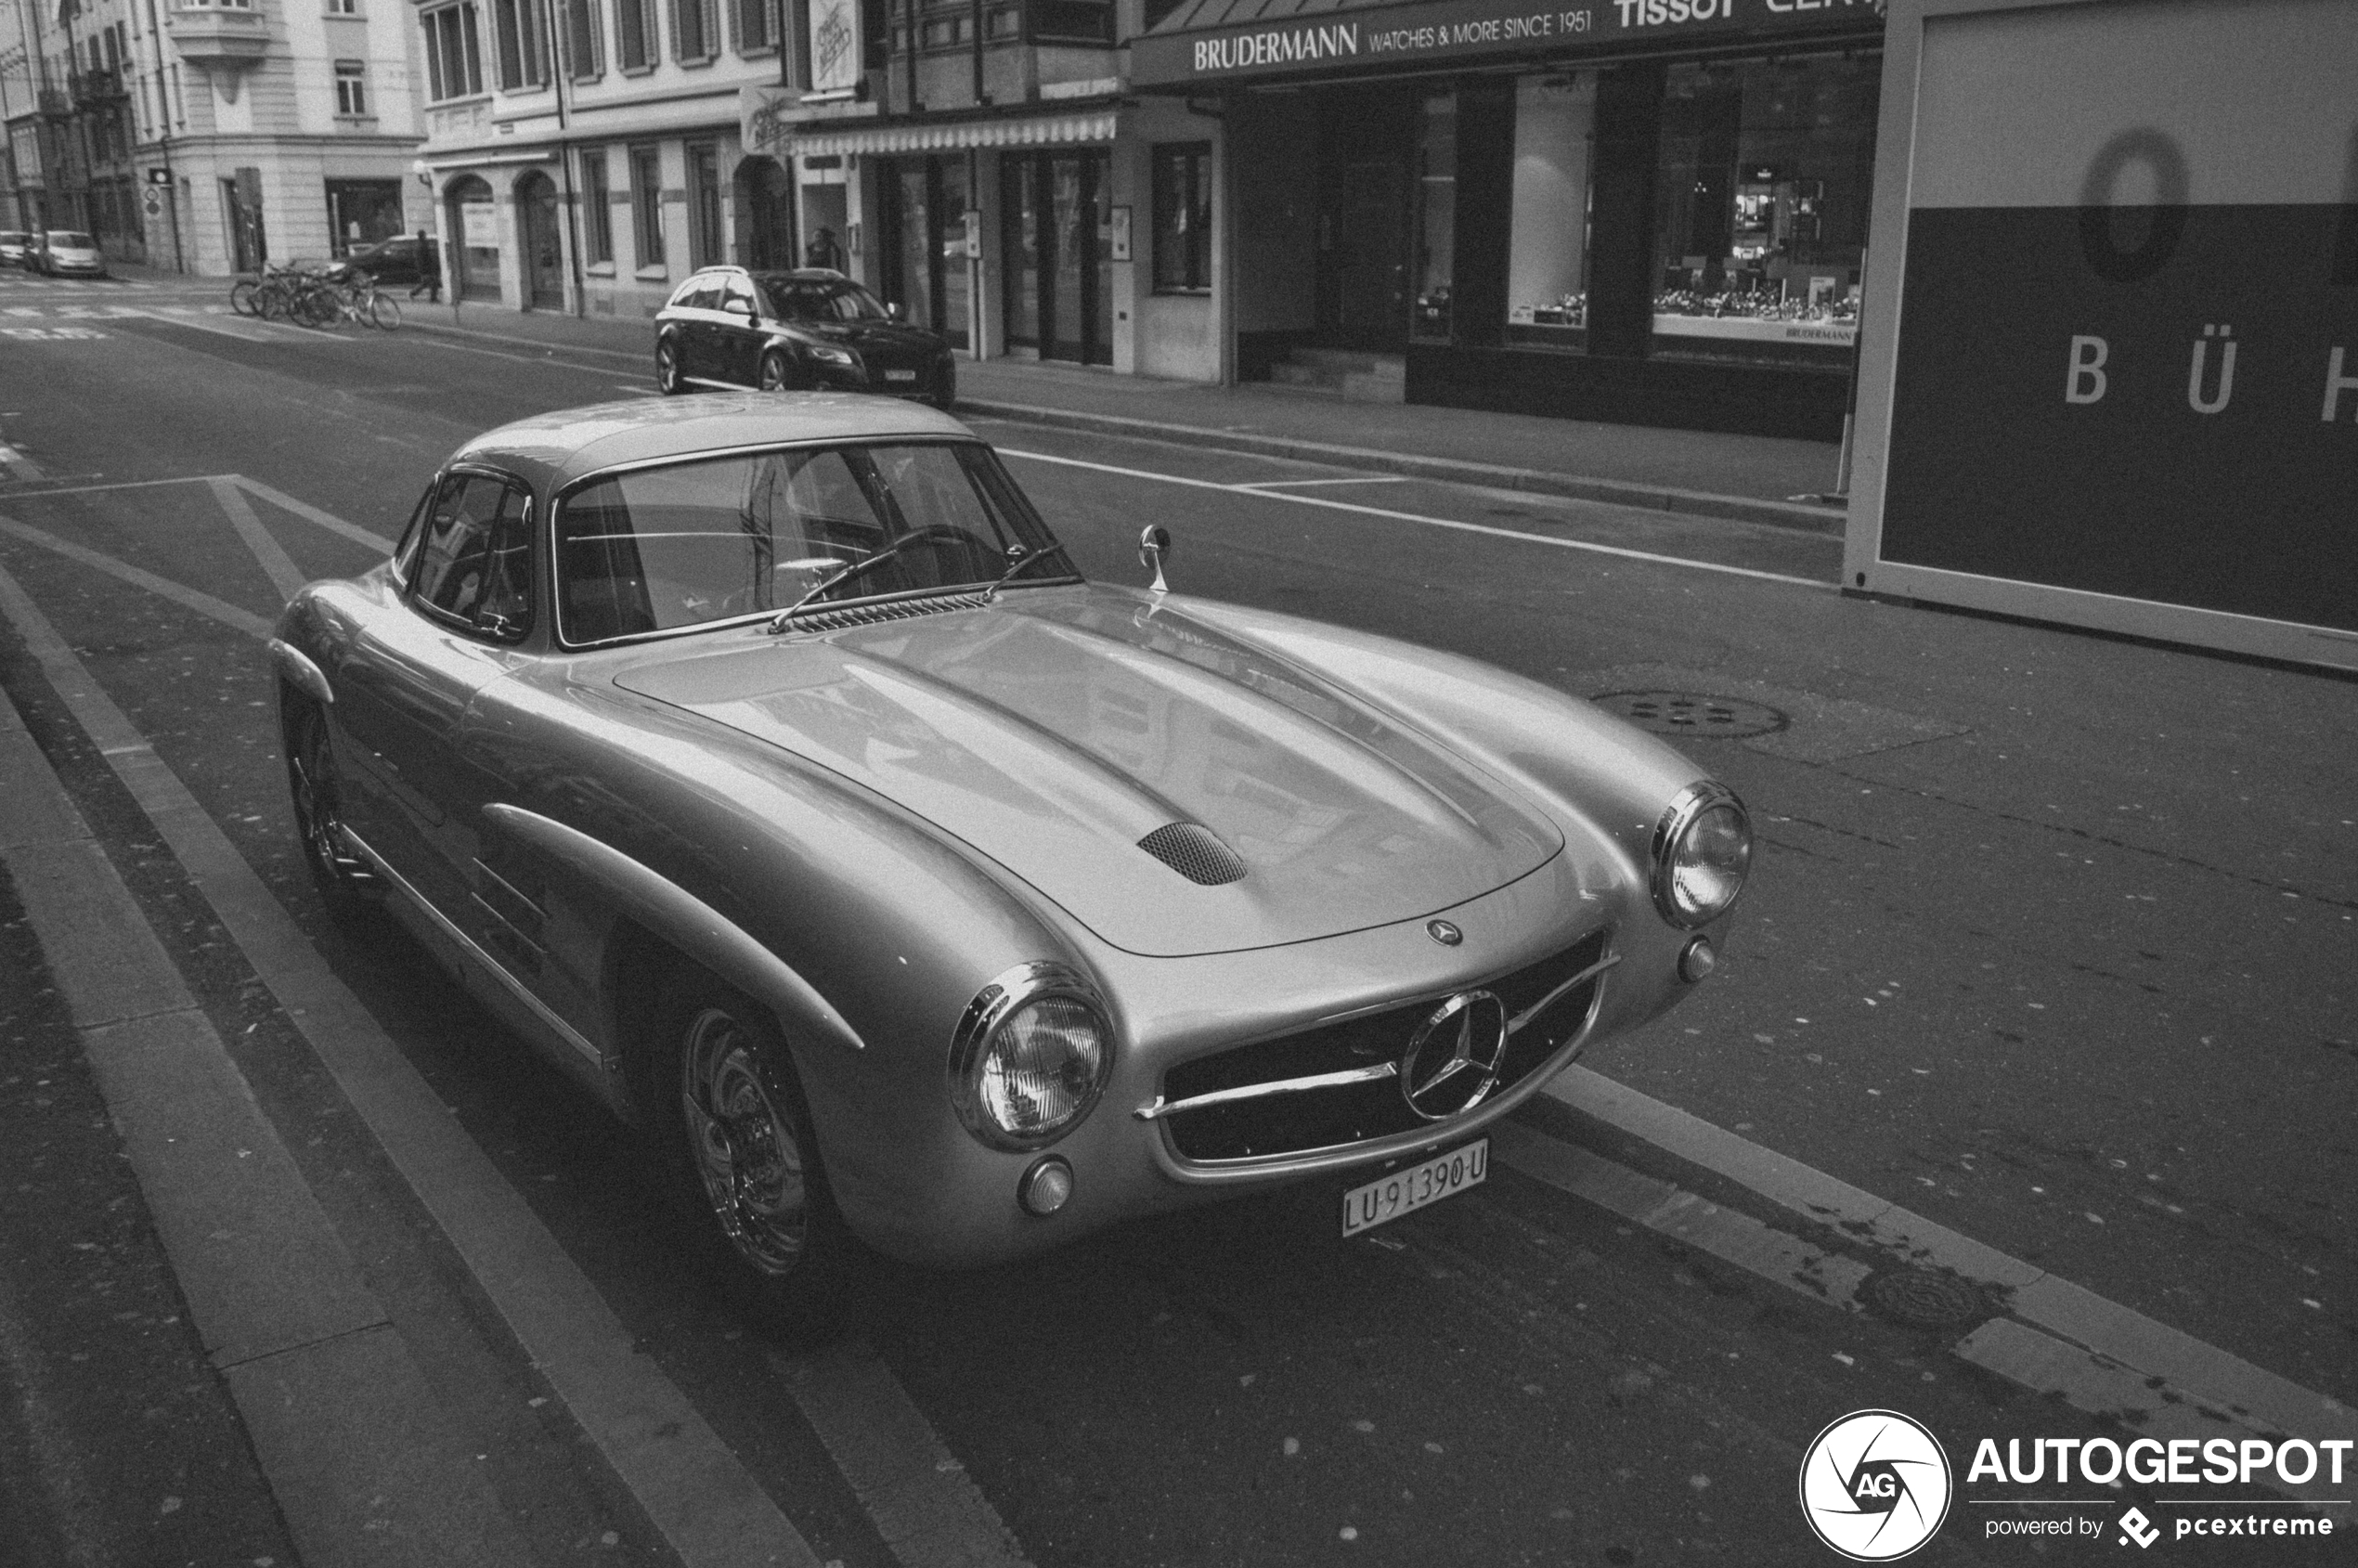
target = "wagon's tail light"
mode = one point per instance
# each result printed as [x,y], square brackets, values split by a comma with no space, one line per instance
[1703,852]
[1030,1057]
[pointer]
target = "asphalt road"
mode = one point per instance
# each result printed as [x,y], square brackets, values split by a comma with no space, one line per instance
[2050,940]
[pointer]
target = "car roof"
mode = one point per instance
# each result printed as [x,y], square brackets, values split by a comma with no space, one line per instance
[551,449]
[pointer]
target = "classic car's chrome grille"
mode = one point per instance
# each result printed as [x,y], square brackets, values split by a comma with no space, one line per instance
[893,610]
[1195,852]
[1363,1101]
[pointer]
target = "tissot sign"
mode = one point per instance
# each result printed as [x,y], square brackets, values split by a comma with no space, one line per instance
[1446,29]
[2116,250]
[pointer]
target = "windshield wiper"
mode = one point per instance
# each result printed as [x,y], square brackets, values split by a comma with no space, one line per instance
[855,570]
[1036,556]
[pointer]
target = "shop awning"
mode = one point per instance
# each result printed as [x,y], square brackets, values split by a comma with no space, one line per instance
[1027,130]
[1206,44]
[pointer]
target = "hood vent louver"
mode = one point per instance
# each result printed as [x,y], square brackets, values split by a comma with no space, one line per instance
[1195,852]
[891,610]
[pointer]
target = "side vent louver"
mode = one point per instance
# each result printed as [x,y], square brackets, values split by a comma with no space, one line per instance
[1195,852]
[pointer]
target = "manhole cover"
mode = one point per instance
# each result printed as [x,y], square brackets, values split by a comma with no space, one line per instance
[1924,1297]
[1692,713]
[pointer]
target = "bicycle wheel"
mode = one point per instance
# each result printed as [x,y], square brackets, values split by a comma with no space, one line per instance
[241,294]
[384,311]
[316,306]
[270,299]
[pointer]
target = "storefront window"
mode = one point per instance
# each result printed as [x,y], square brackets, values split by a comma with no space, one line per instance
[1436,235]
[1761,208]
[1183,217]
[1547,254]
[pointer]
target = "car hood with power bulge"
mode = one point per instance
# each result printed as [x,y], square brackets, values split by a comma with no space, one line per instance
[1054,729]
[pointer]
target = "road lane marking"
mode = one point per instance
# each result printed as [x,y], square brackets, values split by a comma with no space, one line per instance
[2172,1367]
[1362,479]
[357,1464]
[284,575]
[683,1476]
[312,514]
[204,603]
[23,467]
[1449,523]
[912,1488]
[520,358]
[124,485]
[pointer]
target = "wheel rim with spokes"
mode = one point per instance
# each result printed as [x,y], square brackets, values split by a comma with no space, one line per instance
[743,1148]
[315,801]
[667,367]
[773,374]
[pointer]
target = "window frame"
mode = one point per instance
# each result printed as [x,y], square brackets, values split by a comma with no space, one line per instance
[636,32]
[447,26]
[352,104]
[599,200]
[1181,165]
[646,207]
[520,54]
[585,40]
[529,526]
[707,20]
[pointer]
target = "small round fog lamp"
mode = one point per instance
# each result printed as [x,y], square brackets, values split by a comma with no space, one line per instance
[1046,1187]
[1698,961]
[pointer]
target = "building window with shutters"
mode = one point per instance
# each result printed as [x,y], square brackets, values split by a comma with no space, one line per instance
[757,24]
[634,26]
[454,57]
[351,89]
[694,30]
[585,46]
[524,59]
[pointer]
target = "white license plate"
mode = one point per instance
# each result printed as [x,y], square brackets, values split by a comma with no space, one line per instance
[900,375]
[1405,1192]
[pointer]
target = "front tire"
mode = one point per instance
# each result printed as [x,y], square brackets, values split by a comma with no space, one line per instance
[737,1153]
[669,380]
[776,375]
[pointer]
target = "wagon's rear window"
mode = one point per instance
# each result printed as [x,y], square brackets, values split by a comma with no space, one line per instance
[657,548]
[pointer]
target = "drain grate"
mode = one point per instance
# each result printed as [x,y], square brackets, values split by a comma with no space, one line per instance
[1692,713]
[1924,1297]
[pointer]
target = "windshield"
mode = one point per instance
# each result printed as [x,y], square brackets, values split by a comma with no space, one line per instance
[67,239]
[809,299]
[750,534]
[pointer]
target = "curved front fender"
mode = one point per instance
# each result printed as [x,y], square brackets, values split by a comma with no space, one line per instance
[670,912]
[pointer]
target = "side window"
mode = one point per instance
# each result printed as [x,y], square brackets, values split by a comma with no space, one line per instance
[741,289]
[474,561]
[703,296]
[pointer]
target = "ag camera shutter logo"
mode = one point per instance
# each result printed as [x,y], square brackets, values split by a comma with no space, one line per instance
[1875,1485]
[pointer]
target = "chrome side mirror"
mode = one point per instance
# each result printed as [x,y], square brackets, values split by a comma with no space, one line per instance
[893,310]
[1153,543]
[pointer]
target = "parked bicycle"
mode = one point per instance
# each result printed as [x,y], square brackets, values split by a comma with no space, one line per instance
[310,297]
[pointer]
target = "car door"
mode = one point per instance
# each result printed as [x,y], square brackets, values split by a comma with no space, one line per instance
[696,310]
[738,334]
[408,680]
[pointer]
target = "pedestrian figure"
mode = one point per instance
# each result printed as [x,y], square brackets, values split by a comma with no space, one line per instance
[823,251]
[429,269]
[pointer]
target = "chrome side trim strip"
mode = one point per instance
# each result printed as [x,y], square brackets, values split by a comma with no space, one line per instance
[522,993]
[1163,1108]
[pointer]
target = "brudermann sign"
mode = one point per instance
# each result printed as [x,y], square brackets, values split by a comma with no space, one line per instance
[2110,372]
[1187,49]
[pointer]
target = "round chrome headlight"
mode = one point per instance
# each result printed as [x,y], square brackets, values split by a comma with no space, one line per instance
[1030,1057]
[1703,851]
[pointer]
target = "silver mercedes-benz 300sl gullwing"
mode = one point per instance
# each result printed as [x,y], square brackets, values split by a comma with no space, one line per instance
[765,761]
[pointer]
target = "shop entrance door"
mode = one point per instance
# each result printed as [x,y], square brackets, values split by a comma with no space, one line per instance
[1363,221]
[543,260]
[1057,235]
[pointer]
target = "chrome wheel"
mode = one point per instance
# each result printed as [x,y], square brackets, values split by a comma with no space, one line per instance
[743,1144]
[667,380]
[773,372]
[318,810]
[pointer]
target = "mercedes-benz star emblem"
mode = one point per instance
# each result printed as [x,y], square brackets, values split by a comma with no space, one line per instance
[1443,933]
[1452,1061]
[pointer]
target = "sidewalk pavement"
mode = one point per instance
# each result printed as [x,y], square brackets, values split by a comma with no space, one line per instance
[1750,477]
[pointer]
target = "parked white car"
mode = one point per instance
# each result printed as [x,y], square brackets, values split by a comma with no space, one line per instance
[66,252]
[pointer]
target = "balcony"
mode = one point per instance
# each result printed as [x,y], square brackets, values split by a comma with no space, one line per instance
[94,89]
[225,42]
